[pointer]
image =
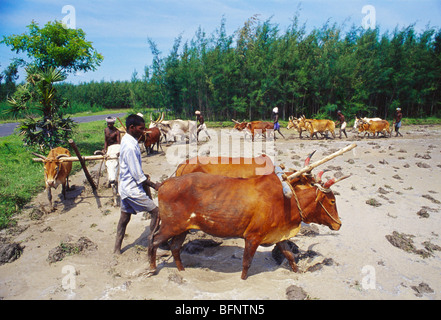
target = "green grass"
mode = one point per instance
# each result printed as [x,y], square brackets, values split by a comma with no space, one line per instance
[421,121]
[21,178]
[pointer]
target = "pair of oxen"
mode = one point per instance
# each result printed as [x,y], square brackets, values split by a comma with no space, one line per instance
[242,198]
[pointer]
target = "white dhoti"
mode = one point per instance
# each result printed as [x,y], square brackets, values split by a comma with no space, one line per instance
[343,125]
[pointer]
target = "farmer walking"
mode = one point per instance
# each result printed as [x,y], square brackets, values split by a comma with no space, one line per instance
[132,181]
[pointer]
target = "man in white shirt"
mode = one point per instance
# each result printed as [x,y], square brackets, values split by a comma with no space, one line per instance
[132,180]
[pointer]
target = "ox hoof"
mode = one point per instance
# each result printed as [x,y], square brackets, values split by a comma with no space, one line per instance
[294,267]
[149,273]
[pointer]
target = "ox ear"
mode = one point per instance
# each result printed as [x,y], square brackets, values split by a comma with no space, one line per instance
[320,196]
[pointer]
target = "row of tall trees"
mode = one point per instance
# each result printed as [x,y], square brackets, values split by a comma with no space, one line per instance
[246,74]
[259,67]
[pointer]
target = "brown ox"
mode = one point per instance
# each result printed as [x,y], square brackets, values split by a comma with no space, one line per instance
[151,137]
[56,171]
[240,126]
[254,209]
[259,127]
[229,167]
[298,124]
[320,126]
[375,127]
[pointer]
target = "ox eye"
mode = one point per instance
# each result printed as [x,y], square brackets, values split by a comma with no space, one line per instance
[333,202]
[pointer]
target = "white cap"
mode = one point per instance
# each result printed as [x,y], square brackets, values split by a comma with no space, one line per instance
[276,110]
[140,114]
[197,112]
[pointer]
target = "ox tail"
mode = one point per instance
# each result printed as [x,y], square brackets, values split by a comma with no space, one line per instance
[154,228]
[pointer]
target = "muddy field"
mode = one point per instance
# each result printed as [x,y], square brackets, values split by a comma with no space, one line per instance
[388,247]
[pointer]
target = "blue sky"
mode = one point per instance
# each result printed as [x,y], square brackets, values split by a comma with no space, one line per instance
[119,29]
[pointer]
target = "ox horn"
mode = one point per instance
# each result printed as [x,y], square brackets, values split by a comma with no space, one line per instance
[317,163]
[329,183]
[342,178]
[308,159]
[235,121]
[332,181]
[39,155]
[99,153]
[61,156]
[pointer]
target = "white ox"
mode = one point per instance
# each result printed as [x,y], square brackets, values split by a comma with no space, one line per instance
[172,128]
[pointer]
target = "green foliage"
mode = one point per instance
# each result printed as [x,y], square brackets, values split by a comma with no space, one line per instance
[246,74]
[55,51]
[38,93]
[259,67]
[48,133]
[56,46]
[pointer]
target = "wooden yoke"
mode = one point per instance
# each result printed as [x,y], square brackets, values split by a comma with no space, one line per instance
[310,167]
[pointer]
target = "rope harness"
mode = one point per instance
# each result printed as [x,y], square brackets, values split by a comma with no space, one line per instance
[322,189]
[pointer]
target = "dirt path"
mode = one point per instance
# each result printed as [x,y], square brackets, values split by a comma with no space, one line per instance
[387,248]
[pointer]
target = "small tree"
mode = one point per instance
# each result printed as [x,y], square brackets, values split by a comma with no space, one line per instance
[56,46]
[39,94]
[55,51]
